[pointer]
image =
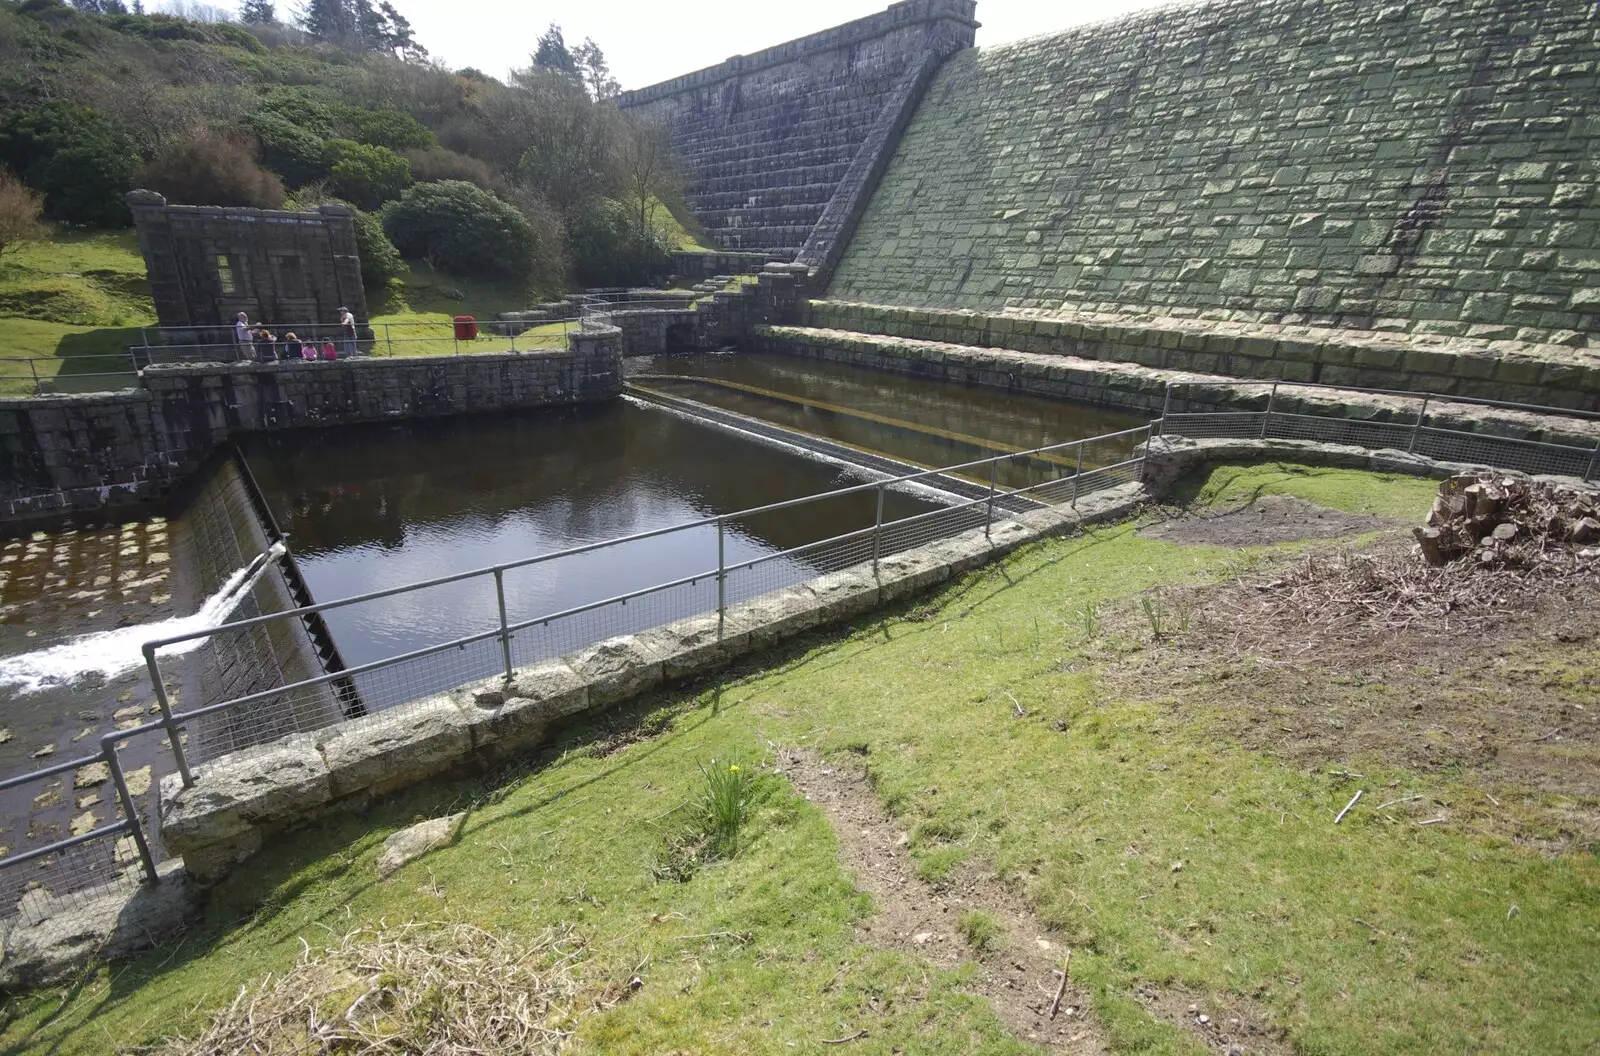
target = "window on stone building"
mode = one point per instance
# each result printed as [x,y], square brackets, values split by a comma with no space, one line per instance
[227,274]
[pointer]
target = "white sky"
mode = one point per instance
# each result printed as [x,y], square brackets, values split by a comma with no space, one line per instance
[646,41]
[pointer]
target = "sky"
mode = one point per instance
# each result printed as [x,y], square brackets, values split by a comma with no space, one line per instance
[646,41]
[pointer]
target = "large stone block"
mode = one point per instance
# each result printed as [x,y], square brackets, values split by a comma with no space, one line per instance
[616,669]
[394,748]
[242,791]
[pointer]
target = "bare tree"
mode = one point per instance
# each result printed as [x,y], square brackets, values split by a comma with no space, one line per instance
[19,212]
[650,168]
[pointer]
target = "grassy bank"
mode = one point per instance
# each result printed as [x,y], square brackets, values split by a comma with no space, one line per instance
[995,721]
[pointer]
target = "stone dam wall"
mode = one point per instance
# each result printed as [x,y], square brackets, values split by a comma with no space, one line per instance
[64,454]
[1410,166]
[771,140]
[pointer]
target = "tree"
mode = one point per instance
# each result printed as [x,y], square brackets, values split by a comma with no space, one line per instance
[552,55]
[79,160]
[651,170]
[214,169]
[330,21]
[258,13]
[607,250]
[462,230]
[400,38]
[19,212]
[593,71]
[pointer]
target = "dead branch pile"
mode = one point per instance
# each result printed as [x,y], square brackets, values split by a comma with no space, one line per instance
[1502,521]
[434,989]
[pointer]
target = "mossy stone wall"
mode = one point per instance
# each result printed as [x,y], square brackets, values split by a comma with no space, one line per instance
[1428,167]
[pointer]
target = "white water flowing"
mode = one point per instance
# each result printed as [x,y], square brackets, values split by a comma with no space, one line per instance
[110,653]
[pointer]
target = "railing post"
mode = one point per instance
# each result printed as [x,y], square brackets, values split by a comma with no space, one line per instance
[35,372]
[1266,419]
[1594,459]
[1416,431]
[108,751]
[722,578]
[388,339]
[1166,405]
[1075,475]
[1144,460]
[505,633]
[171,727]
[877,532]
[988,520]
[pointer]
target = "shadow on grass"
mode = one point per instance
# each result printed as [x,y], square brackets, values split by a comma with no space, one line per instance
[254,896]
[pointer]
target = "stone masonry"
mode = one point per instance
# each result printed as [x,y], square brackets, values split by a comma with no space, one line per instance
[64,453]
[770,139]
[1410,165]
[284,268]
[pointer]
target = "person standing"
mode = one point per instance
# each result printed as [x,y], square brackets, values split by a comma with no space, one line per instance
[243,337]
[347,330]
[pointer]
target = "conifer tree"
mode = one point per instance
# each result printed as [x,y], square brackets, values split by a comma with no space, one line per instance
[258,13]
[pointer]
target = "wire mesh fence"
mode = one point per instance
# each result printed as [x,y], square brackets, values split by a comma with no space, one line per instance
[277,699]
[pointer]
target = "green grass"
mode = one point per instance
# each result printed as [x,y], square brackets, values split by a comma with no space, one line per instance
[979,930]
[1368,937]
[68,308]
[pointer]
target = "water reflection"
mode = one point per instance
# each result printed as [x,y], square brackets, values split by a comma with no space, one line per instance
[371,508]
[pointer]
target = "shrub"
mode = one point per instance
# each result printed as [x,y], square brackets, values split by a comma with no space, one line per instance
[395,129]
[462,230]
[380,261]
[73,155]
[289,150]
[609,249]
[365,175]
[305,108]
[19,212]
[214,169]
[432,166]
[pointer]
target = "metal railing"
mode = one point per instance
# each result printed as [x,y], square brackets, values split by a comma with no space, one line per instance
[509,640]
[50,375]
[1416,423]
[387,339]
[602,309]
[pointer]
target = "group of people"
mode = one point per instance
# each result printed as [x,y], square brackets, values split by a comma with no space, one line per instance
[263,345]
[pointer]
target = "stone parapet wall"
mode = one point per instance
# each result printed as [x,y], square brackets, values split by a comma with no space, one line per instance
[63,454]
[1430,167]
[240,801]
[1515,371]
[1139,388]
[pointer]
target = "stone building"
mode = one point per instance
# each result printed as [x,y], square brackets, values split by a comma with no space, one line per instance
[289,270]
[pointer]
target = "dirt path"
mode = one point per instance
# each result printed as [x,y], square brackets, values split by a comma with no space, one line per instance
[1261,522]
[1019,977]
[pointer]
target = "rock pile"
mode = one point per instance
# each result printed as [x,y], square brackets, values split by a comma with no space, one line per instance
[1497,520]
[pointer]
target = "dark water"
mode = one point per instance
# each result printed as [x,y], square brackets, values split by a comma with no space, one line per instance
[377,507]
[919,420]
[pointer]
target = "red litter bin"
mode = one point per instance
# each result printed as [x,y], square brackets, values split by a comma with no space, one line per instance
[466,328]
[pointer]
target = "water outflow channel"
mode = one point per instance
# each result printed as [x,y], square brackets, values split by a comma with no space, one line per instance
[916,420]
[373,507]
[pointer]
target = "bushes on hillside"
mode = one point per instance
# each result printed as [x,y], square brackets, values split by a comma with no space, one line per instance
[461,229]
[609,248]
[432,166]
[394,129]
[289,150]
[367,176]
[213,169]
[72,154]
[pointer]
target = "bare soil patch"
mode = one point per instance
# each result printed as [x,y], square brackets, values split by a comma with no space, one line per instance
[1019,975]
[1263,521]
[1228,1024]
[1372,658]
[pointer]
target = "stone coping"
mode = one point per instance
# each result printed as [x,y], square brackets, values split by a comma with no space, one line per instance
[895,16]
[1136,387]
[242,798]
[1519,371]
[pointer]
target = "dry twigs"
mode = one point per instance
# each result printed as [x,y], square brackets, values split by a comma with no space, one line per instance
[417,989]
